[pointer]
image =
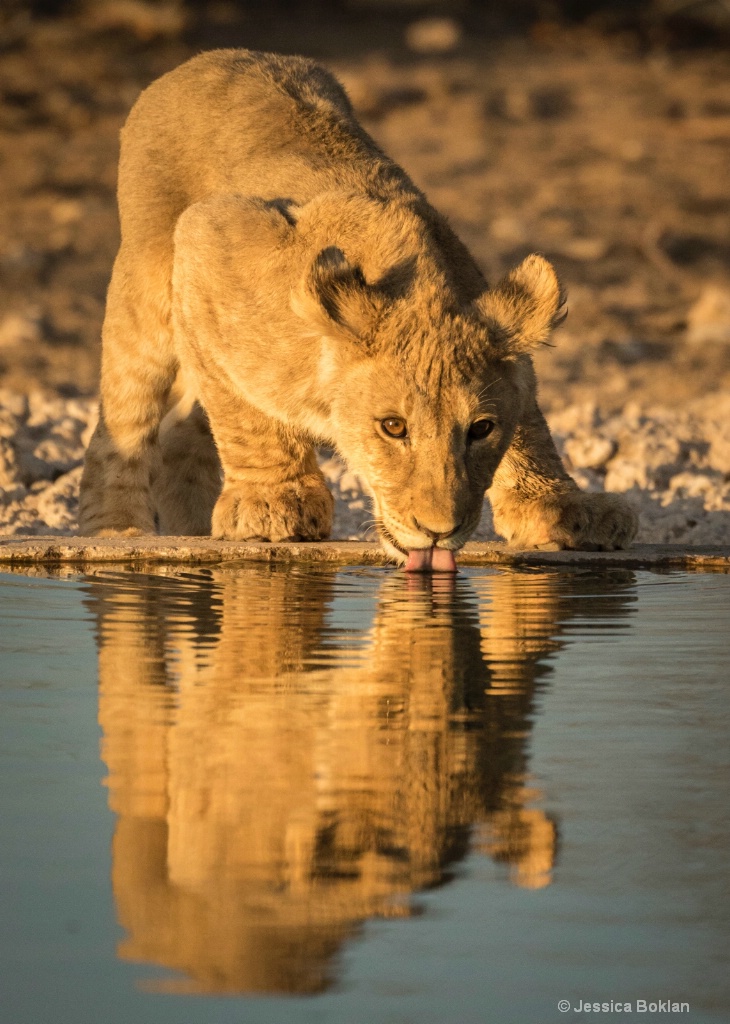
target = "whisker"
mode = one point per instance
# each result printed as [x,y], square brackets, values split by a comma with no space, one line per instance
[368,525]
[488,387]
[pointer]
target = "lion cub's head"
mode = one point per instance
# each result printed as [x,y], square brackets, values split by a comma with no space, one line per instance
[425,398]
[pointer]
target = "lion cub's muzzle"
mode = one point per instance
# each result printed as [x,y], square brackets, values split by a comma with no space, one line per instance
[429,546]
[437,535]
[433,558]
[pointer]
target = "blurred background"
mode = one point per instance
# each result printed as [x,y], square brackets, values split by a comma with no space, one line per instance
[595,132]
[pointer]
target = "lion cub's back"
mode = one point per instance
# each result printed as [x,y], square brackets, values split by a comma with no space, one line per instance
[234,121]
[242,73]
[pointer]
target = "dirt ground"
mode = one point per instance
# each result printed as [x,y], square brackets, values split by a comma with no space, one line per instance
[609,156]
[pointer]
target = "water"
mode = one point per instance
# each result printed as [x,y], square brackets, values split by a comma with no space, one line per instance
[254,794]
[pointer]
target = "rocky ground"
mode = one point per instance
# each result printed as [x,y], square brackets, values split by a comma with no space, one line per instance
[675,466]
[607,152]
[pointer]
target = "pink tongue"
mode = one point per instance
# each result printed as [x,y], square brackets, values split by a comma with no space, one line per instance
[430,560]
[443,560]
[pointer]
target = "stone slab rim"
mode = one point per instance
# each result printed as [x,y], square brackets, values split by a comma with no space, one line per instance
[65,550]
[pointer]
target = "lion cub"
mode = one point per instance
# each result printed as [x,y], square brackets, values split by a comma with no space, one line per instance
[282,282]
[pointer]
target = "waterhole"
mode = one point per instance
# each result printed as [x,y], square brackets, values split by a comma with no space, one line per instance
[265,794]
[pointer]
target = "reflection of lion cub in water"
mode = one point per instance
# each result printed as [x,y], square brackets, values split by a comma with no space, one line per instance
[280,273]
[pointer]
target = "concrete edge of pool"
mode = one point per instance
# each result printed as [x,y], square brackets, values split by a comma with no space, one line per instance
[136,551]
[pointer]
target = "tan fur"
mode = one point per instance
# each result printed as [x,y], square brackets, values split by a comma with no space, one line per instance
[280,281]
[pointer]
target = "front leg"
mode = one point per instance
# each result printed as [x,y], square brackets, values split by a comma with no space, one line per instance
[273,488]
[537,505]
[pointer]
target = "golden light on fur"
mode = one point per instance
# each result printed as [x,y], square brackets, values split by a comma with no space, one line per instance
[525,306]
[282,282]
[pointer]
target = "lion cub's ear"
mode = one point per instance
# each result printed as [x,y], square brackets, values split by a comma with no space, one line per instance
[334,293]
[524,307]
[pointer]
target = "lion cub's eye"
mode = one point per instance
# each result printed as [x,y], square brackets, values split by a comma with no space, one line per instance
[480,429]
[393,426]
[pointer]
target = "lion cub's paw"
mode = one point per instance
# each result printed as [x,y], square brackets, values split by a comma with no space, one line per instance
[588,522]
[297,510]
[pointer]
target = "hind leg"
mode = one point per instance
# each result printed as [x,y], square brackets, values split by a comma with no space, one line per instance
[188,483]
[138,368]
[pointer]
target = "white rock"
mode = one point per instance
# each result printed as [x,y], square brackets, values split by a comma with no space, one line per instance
[332,468]
[655,454]
[57,505]
[14,403]
[62,455]
[583,416]
[719,454]
[623,474]
[508,229]
[20,329]
[45,410]
[709,318]
[147,20]
[88,431]
[584,249]
[349,482]
[433,35]
[67,211]
[9,424]
[694,485]
[589,452]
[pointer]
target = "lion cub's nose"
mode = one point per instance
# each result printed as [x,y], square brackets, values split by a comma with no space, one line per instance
[436,535]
